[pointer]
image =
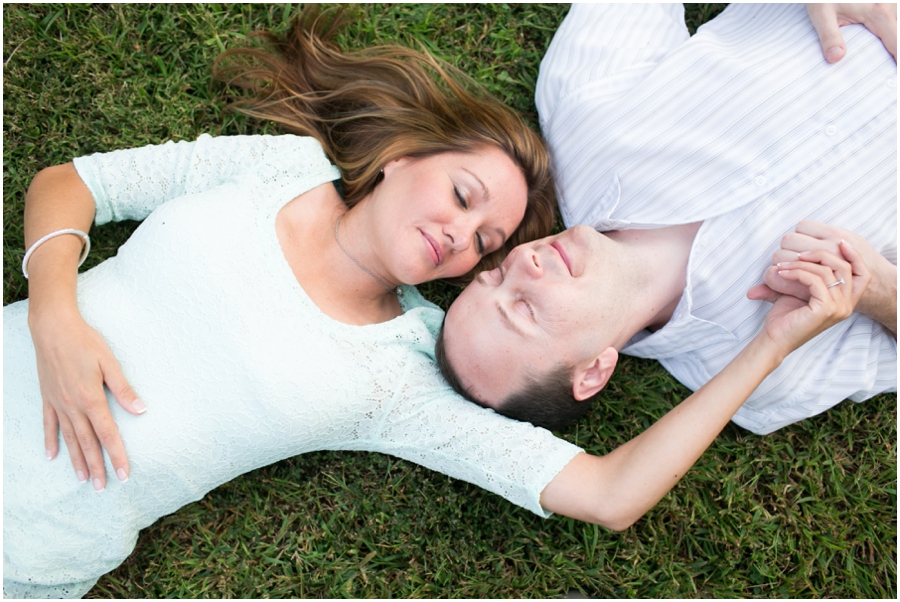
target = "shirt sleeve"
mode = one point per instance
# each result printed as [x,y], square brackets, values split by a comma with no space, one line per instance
[131,183]
[441,431]
[610,47]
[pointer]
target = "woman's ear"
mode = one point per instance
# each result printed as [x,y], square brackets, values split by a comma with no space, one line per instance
[393,164]
[591,376]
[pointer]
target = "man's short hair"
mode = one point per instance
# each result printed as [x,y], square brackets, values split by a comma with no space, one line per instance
[546,400]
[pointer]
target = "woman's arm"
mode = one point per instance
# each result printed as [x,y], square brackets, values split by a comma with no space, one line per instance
[73,360]
[617,489]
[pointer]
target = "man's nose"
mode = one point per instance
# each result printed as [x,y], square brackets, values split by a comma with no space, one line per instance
[528,262]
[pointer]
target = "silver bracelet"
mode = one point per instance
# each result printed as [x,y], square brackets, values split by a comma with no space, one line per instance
[86,246]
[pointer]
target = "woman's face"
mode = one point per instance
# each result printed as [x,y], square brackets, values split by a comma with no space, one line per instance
[438,216]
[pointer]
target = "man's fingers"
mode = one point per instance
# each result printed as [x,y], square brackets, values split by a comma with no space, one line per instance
[794,241]
[51,431]
[761,292]
[882,21]
[817,229]
[824,19]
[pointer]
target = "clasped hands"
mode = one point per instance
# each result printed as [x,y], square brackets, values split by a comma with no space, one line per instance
[810,242]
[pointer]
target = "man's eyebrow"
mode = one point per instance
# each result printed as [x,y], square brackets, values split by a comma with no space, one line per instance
[508,321]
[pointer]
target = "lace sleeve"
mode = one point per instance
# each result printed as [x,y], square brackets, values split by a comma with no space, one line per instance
[131,183]
[441,431]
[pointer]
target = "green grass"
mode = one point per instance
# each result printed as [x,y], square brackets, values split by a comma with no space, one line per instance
[808,512]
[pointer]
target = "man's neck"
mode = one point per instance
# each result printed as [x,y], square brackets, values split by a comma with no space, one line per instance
[657,260]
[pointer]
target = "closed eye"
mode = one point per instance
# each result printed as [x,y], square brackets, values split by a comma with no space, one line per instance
[460,198]
[479,240]
[524,303]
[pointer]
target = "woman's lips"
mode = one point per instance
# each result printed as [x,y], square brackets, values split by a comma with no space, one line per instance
[555,244]
[437,256]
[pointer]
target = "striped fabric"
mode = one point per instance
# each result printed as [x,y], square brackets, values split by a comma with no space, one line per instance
[743,126]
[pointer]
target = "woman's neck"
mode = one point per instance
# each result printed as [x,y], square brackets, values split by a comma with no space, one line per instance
[330,275]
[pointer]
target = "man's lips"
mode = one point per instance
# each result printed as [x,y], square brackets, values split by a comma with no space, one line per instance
[434,249]
[555,244]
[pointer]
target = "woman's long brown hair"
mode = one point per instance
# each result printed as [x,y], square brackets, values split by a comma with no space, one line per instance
[368,107]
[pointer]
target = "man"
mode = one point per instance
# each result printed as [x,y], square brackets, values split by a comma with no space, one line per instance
[705,159]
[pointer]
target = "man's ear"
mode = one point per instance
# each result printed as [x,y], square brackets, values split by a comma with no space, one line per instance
[593,375]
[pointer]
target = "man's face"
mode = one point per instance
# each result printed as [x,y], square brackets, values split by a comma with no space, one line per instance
[540,309]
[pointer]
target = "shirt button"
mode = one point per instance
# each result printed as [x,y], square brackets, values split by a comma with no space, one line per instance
[760,180]
[830,130]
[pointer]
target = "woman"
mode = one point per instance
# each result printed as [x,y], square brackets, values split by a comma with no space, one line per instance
[241,366]
[246,239]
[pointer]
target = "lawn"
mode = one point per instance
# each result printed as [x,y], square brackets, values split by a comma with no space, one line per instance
[808,512]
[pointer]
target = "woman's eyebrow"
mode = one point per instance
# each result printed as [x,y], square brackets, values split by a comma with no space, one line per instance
[484,191]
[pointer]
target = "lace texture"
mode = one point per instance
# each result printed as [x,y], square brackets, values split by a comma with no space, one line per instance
[237,366]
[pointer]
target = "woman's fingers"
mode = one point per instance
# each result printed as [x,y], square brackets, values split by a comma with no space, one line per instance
[119,386]
[106,433]
[75,456]
[51,431]
[93,454]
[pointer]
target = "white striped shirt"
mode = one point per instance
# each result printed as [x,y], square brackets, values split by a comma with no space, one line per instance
[746,127]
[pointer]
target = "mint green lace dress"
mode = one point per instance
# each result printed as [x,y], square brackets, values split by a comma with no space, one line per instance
[237,366]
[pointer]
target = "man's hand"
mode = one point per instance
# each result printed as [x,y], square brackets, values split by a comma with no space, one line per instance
[879,301]
[880,19]
[834,284]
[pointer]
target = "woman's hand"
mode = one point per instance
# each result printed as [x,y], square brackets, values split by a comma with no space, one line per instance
[880,19]
[879,301]
[834,286]
[74,362]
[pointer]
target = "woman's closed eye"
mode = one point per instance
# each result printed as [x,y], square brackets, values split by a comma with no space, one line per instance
[479,240]
[460,198]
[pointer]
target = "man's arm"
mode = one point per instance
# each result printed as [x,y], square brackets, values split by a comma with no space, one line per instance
[617,489]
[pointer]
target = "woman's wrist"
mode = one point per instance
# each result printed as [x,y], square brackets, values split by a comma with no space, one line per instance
[765,352]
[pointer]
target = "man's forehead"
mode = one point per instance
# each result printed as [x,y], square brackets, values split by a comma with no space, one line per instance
[480,348]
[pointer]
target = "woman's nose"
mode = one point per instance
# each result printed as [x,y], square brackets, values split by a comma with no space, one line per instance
[460,233]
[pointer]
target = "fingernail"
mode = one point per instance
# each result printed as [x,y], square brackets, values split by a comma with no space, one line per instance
[82,478]
[777,265]
[49,455]
[834,54]
[98,485]
[121,474]
[138,406]
[781,272]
